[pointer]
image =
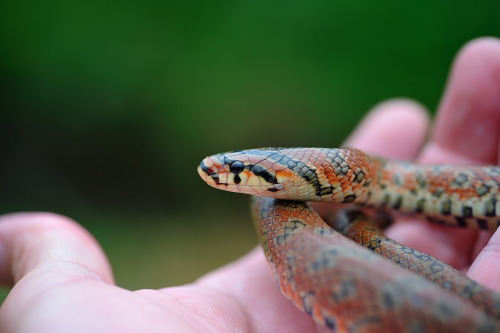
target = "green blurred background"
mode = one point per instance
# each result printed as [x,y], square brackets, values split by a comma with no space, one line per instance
[106,108]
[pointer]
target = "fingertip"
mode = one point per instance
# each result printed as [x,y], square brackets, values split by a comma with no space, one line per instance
[28,240]
[395,128]
[468,122]
[485,269]
[481,47]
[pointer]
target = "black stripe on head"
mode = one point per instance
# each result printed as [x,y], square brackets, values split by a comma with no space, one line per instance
[264,173]
[311,177]
[304,171]
[297,166]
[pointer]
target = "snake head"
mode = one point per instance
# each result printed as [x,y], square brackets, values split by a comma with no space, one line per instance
[249,171]
[304,174]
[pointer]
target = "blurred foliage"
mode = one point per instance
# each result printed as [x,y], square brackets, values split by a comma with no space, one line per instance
[107,107]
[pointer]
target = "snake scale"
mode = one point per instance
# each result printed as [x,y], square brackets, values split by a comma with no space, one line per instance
[342,285]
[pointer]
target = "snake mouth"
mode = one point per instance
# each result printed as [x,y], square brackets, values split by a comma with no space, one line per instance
[208,174]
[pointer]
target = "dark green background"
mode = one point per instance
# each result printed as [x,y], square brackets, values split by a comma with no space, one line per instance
[108,107]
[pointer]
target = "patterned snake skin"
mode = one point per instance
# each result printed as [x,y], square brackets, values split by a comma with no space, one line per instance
[342,285]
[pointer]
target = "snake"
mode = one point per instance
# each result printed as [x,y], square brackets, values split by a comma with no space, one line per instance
[343,271]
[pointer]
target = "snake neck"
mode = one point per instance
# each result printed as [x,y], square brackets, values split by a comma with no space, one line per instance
[350,175]
[458,195]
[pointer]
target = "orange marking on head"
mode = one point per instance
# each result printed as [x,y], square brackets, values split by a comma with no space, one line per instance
[285,173]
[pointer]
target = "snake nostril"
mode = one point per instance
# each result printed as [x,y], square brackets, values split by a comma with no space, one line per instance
[205,168]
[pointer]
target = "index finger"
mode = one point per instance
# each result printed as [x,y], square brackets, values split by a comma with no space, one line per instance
[467,131]
[467,128]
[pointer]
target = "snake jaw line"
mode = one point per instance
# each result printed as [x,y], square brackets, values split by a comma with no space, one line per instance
[234,175]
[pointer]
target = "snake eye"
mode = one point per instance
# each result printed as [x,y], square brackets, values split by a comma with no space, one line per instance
[236,167]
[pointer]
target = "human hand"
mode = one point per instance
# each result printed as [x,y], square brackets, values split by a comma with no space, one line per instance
[466,131]
[63,282]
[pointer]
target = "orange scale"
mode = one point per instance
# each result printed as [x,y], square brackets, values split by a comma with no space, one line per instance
[393,252]
[460,192]
[331,179]
[356,187]
[477,183]
[345,185]
[468,195]
[410,261]
[286,173]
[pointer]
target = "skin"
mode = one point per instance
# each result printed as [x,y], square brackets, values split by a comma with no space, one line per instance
[63,281]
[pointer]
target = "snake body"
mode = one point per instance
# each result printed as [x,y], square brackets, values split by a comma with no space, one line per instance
[344,286]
